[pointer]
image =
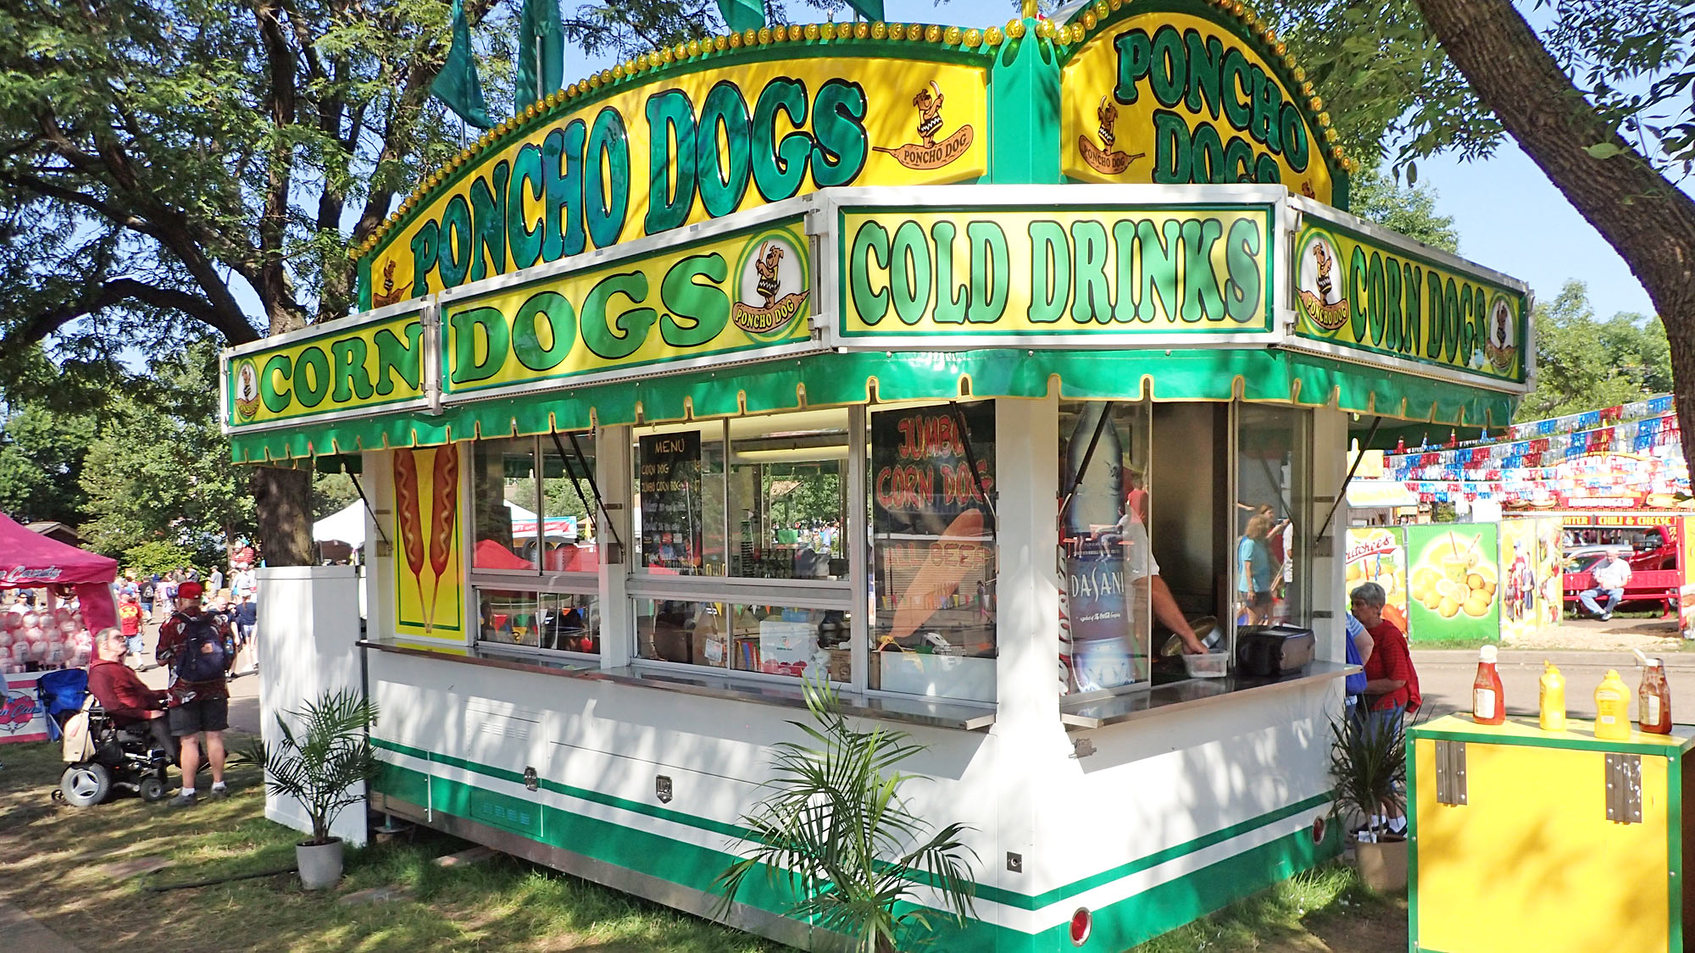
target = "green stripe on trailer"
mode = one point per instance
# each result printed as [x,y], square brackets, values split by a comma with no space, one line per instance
[694,867]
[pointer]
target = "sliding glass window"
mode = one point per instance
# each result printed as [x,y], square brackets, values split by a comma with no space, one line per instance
[535,562]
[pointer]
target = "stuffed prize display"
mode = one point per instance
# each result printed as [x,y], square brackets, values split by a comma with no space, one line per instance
[49,639]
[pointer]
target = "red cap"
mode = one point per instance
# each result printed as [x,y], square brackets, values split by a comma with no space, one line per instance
[190,590]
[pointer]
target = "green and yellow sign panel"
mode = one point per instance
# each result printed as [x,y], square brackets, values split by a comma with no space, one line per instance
[1056,274]
[1453,583]
[686,144]
[742,292]
[354,368]
[429,599]
[1177,92]
[1368,294]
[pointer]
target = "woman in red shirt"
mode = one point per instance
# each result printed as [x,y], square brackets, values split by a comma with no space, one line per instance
[1391,686]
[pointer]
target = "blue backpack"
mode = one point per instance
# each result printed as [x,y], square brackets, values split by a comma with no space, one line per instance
[202,656]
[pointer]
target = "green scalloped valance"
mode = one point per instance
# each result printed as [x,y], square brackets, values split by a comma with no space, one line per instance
[833,379]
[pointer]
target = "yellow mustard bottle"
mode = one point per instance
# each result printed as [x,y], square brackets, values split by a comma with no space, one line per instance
[1552,698]
[1612,708]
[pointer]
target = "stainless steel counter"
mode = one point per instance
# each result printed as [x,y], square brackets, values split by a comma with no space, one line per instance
[1111,710]
[910,710]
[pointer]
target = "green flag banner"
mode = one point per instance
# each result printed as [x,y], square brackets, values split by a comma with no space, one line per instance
[457,84]
[742,15]
[869,9]
[541,53]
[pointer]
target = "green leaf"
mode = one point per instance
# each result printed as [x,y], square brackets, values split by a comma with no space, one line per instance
[1603,150]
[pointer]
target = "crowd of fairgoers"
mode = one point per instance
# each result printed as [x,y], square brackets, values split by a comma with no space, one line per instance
[43,628]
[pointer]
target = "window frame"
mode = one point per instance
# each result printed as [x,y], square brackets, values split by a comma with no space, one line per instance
[535,581]
[823,594]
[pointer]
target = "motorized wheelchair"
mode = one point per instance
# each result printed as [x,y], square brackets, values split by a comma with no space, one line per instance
[100,755]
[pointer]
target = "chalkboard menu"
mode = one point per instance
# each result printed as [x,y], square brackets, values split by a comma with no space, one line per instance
[933,529]
[671,501]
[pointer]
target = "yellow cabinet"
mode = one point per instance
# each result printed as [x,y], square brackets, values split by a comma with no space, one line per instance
[1531,841]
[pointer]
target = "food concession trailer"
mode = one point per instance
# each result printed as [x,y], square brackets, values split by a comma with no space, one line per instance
[903,356]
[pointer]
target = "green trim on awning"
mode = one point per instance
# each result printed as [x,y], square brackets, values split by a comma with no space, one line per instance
[1265,375]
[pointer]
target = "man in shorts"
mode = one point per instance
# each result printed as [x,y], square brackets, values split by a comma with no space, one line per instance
[196,645]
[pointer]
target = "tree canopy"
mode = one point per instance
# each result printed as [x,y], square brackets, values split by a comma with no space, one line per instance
[1583,363]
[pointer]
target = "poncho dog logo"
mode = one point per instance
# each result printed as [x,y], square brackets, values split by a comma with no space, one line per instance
[1321,298]
[771,285]
[930,154]
[246,391]
[1500,348]
[1105,158]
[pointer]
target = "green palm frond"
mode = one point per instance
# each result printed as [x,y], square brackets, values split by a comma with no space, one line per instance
[832,827]
[323,763]
[1368,763]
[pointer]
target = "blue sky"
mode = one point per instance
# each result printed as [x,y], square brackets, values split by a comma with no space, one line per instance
[1512,219]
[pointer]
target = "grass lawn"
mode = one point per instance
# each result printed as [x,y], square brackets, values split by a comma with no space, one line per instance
[56,865]
[53,866]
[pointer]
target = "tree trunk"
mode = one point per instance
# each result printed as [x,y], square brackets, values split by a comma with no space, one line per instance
[1647,220]
[283,499]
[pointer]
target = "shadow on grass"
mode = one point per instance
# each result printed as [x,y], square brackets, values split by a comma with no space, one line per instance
[1326,908]
[53,866]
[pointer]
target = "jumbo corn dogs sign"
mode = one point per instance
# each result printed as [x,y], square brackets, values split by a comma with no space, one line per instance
[687,144]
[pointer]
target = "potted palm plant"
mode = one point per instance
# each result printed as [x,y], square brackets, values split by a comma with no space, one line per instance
[835,828]
[1368,768]
[323,765]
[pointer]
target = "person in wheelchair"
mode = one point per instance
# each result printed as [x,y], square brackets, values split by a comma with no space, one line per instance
[131,704]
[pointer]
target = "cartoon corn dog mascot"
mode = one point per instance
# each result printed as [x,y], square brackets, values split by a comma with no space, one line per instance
[1321,256]
[1107,113]
[766,264]
[929,113]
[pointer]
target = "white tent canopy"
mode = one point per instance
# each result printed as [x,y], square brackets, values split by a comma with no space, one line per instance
[346,525]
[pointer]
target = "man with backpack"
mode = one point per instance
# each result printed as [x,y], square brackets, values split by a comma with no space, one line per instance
[149,587]
[196,645]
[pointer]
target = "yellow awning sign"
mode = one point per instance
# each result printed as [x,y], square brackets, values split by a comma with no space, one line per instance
[1056,272]
[684,148]
[746,291]
[1166,97]
[1362,293]
[354,368]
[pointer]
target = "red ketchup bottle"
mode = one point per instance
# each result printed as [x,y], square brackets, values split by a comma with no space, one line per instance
[1654,700]
[1488,705]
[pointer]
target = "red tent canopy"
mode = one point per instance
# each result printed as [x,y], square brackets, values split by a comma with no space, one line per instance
[33,561]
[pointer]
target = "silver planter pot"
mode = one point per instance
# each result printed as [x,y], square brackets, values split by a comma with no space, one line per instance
[320,864]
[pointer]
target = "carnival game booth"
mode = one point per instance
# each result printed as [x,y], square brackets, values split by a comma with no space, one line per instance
[51,633]
[831,400]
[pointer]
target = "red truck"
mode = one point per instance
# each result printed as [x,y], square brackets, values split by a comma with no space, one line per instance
[1649,542]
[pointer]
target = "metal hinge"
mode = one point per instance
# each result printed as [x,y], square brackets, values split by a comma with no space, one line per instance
[1624,788]
[1450,772]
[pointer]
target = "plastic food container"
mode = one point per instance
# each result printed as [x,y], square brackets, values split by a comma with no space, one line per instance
[1210,665]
